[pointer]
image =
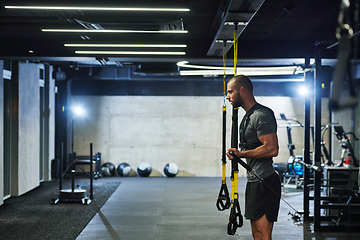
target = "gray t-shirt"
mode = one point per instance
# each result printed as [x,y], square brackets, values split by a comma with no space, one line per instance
[260,122]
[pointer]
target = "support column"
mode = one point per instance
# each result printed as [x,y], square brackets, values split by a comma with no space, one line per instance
[317,129]
[309,82]
[14,126]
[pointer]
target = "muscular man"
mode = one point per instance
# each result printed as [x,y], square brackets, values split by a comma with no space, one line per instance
[259,144]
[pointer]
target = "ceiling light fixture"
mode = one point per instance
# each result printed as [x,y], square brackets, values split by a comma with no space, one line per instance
[222,41]
[129,53]
[113,31]
[233,23]
[249,71]
[100,8]
[127,45]
[245,71]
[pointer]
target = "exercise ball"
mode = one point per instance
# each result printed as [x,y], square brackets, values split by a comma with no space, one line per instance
[171,169]
[108,169]
[124,169]
[144,169]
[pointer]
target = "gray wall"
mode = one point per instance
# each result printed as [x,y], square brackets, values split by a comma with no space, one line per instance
[159,130]
[28,132]
[25,128]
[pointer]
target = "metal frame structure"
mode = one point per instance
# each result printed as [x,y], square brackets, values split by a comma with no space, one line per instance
[320,181]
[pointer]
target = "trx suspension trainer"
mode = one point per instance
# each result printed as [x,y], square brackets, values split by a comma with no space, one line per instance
[223,201]
[235,218]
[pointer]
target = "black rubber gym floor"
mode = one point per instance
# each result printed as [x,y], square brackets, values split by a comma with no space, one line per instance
[184,208]
[32,216]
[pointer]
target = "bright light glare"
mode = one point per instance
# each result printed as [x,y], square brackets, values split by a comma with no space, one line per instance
[78,111]
[303,91]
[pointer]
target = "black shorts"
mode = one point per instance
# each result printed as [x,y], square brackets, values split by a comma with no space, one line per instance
[260,199]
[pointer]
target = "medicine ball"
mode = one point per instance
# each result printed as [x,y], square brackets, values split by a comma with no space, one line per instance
[171,169]
[124,169]
[144,169]
[108,169]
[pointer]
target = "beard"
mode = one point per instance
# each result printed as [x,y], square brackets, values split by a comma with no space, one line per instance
[238,102]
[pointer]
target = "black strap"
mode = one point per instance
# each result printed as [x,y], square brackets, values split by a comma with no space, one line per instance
[235,219]
[243,125]
[247,167]
[223,201]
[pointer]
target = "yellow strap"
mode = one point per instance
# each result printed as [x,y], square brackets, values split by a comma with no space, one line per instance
[235,52]
[232,189]
[224,173]
[224,110]
[236,181]
[224,65]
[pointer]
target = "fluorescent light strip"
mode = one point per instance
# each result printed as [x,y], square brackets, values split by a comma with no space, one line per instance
[100,8]
[248,72]
[129,53]
[127,45]
[113,31]
[285,70]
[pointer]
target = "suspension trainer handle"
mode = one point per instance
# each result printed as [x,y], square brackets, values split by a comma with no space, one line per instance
[223,201]
[247,167]
[235,218]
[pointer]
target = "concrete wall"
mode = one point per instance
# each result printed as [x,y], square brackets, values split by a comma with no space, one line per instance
[24,126]
[28,132]
[1,132]
[159,130]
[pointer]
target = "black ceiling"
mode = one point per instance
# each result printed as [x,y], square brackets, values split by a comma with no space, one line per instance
[278,29]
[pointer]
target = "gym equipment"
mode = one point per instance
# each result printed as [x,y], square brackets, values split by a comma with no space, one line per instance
[108,169]
[144,169]
[281,168]
[235,219]
[295,164]
[171,169]
[293,168]
[223,201]
[346,146]
[325,157]
[124,169]
[74,195]
[85,160]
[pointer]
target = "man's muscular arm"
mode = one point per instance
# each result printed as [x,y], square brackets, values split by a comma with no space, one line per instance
[270,148]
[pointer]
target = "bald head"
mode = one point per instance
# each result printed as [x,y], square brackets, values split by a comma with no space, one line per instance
[242,81]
